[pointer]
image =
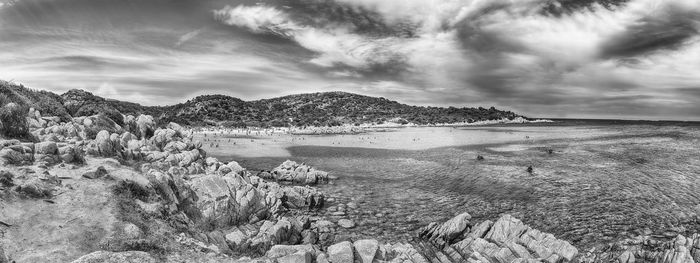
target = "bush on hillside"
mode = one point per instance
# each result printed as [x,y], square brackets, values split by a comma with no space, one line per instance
[13,121]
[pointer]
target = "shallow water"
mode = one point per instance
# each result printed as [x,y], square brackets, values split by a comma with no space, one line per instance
[600,183]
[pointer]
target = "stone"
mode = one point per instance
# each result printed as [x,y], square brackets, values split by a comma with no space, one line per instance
[9,156]
[506,228]
[322,258]
[105,145]
[132,231]
[236,238]
[447,231]
[346,223]
[6,178]
[299,257]
[298,173]
[116,257]
[341,253]
[227,200]
[146,125]
[34,187]
[284,250]
[366,249]
[49,148]
[98,173]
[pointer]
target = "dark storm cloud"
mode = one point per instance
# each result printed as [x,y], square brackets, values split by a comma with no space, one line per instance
[667,31]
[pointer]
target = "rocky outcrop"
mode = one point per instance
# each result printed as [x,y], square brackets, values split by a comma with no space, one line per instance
[227,200]
[506,240]
[678,249]
[291,171]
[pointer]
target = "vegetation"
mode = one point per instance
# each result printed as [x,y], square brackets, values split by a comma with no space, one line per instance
[49,104]
[13,123]
[316,109]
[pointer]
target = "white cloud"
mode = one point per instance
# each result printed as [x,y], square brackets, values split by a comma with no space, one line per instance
[188,36]
[430,57]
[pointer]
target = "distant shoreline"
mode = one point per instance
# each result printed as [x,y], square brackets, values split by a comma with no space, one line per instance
[352,129]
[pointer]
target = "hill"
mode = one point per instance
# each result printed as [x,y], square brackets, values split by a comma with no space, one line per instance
[314,109]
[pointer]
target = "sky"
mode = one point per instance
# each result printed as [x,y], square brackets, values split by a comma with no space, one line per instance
[623,59]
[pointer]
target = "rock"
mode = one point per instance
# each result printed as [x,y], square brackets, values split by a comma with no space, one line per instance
[506,240]
[116,257]
[447,231]
[6,178]
[35,188]
[346,223]
[231,167]
[366,249]
[309,237]
[162,137]
[299,257]
[236,238]
[3,257]
[98,173]
[175,127]
[340,253]
[227,200]
[105,145]
[626,257]
[284,250]
[146,125]
[298,173]
[16,155]
[505,229]
[71,154]
[132,231]
[46,148]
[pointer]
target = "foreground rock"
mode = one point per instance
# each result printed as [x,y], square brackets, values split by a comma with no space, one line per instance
[506,240]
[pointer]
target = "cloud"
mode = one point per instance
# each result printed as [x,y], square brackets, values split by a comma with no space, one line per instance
[187,37]
[537,57]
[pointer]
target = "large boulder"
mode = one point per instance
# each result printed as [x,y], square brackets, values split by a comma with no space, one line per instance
[447,231]
[506,240]
[162,137]
[146,125]
[34,187]
[294,197]
[341,253]
[227,200]
[46,148]
[298,173]
[12,152]
[105,144]
[366,249]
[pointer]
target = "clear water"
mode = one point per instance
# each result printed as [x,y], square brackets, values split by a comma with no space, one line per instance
[600,183]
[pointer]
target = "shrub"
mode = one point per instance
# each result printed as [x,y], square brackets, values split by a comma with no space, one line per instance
[13,119]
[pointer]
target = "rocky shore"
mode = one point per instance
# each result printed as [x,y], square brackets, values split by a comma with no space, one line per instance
[151,194]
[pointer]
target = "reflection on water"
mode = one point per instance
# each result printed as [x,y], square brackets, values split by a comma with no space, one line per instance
[597,184]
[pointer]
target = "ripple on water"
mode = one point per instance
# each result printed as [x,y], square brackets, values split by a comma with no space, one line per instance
[588,192]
